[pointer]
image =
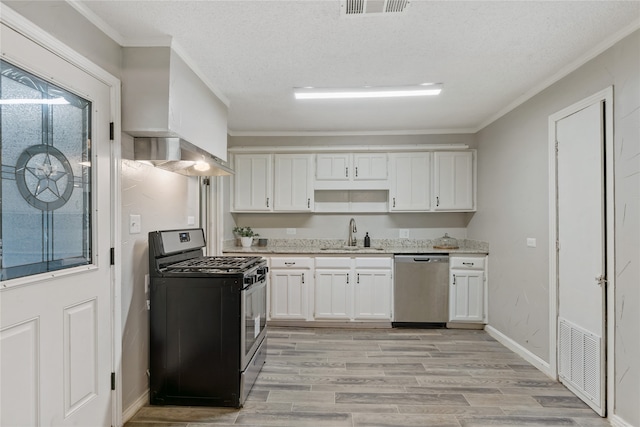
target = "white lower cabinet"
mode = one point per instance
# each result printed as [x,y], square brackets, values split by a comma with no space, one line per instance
[353,288]
[334,288]
[291,279]
[372,295]
[467,289]
[373,289]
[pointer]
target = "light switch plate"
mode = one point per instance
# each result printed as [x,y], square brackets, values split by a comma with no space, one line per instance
[404,233]
[191,220]
[134,224]
[531,242]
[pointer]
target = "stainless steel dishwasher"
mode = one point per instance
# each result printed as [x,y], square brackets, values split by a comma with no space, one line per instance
[421,290]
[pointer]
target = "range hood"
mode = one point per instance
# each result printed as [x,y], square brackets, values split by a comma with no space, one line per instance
[176,120]
[178,155]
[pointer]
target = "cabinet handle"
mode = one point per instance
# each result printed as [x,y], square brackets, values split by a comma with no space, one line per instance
[303,278]
[394,202]
[468,263]
[437,200]
[346,172]
[356,171]
[347,279]
[289,263]
[358,278]
[309,203]
[267,202]
[454,279]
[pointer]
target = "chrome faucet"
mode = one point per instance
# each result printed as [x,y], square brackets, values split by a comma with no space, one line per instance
[352,230]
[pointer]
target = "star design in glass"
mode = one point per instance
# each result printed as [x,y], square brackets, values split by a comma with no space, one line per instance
[48,175]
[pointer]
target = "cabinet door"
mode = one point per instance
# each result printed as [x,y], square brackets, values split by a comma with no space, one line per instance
[369,166]
[293,189]
[372,298]
[466,296]
[289,299]
[252,183]
[409,183]
[333,167]
[453,181]
[333,294]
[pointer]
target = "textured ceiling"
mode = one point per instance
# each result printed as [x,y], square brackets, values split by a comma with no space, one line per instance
[489,55]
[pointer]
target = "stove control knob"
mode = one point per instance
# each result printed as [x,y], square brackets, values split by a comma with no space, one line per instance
[249,280]
[263,270]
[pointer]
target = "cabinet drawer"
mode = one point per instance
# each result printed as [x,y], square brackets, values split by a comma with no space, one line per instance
[333,262]
[467,263]
[292,262]
[371,262]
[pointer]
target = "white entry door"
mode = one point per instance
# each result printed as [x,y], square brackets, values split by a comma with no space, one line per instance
[581,262]
[56,230]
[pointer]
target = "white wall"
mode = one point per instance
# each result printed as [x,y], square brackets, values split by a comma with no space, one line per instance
[70,27]
[164,200]
[513,179]
[336,226]
[271,141]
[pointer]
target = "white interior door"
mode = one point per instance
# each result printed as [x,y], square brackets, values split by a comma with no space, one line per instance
[55,296]
[581,254]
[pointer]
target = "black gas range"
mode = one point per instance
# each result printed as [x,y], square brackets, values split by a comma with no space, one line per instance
[207,322]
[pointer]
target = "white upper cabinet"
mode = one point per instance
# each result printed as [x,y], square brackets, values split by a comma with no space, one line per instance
[349,171]
[333,166]
[453,181]
[370,167]
[293,190]
[410,183]
[252,183]
[351,181]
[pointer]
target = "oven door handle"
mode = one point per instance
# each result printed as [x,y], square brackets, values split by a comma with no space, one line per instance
[254,282]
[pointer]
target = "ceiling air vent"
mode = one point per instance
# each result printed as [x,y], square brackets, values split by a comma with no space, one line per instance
[373,7]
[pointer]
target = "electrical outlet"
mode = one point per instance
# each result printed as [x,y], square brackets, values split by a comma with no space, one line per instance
[191,220]
[134,224]
[291,231]
[404,233]
[531,242]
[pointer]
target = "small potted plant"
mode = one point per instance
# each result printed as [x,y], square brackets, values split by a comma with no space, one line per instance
[246,235]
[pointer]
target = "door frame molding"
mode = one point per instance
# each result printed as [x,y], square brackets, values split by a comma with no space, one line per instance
[28,29]
[605,96]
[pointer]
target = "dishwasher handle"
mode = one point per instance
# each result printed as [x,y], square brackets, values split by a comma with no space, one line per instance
[421,258]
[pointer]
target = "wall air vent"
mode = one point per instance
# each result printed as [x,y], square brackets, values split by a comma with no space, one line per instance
[373,7]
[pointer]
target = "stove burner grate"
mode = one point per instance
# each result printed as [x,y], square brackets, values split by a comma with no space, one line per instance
[222,263]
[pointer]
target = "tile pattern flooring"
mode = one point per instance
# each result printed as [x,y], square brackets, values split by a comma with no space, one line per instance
[389,378]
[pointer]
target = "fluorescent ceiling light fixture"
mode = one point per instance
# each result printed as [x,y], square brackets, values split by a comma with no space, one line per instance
[50,101]
[427,89]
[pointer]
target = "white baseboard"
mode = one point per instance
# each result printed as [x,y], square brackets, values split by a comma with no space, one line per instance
[128,413]
[521,351]
[616,421]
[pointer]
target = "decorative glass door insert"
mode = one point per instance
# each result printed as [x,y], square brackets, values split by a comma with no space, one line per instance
[45,191]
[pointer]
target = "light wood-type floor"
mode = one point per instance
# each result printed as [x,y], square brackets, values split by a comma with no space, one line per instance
[324,377]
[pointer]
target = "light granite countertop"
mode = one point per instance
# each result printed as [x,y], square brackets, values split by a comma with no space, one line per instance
[333,246]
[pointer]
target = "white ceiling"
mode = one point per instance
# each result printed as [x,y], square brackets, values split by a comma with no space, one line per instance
[490,55]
